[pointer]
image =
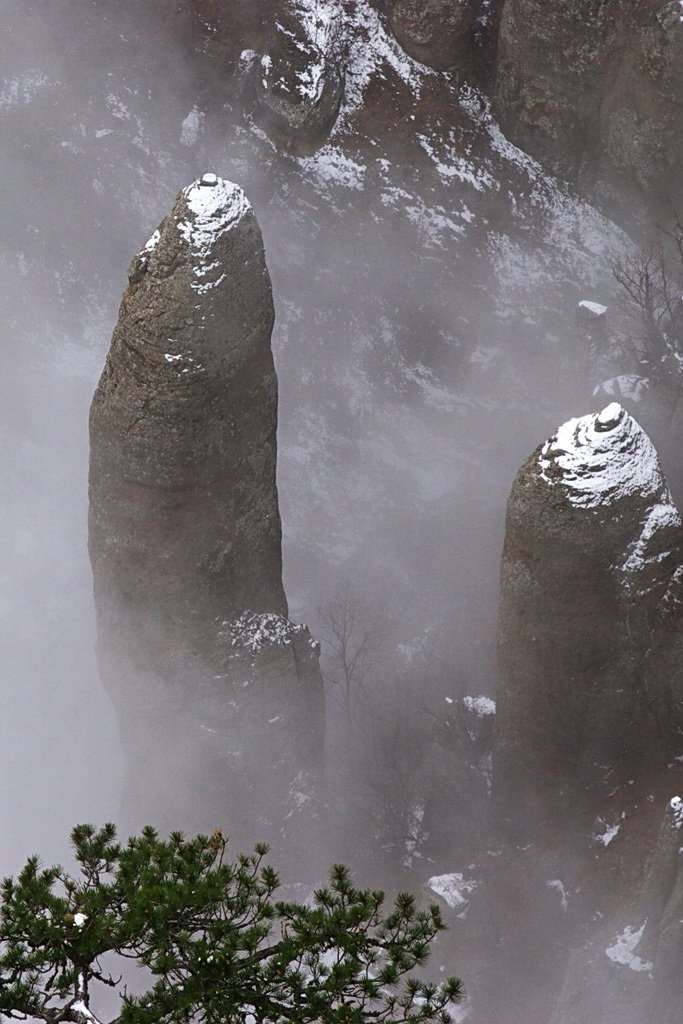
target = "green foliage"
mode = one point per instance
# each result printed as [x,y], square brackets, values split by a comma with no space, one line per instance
[216,944]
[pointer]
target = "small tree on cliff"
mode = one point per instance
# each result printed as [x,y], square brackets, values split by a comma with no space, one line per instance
[652,292]
[216,946]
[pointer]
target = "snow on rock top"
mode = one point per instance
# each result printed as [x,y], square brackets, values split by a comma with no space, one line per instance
[601,458]
[215,206]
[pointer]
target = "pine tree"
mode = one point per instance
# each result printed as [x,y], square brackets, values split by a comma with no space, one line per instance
[218,947]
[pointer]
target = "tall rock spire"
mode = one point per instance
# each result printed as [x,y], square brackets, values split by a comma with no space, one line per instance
[590,613]
[185,538]
[183,423]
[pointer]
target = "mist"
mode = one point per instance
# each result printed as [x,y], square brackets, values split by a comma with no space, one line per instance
[426,275]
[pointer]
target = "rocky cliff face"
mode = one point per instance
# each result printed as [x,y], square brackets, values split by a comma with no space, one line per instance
[595,91]
[184,522]
[590,607]
[300,78]
[629,971]
[435,32]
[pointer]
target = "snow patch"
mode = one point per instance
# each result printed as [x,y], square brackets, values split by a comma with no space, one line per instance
[601,458]
[676,806]
[80,1007]
[610,833]
[622,952]
[256,631]
[20,90]
[593,307]
[452,165]
[558,886]
[481,706]
[321,21]
[415,836]
[332,167]
[191,127]
[664,515]
[370,51]
[216,206]
[454,889]
[300,795]
[152,242]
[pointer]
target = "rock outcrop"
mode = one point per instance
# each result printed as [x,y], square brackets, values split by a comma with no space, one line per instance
[630,971]
[300,80]
[595,91]
[590,615]
[194,643]
[435,32]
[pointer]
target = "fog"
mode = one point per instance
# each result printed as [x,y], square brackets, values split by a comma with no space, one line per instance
[425,344]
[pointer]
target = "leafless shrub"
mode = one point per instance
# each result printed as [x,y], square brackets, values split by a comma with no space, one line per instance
[387,715]
[353,636]
[652,292]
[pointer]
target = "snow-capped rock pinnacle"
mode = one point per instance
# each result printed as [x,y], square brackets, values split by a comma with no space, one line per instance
[185,539]
[590,604]
[602,458]
[186,414]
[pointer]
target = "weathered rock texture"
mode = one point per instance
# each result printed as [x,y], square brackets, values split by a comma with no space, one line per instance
[595,90]
[185,538]
[630,971]
[435,32]
[590,614]
[300,80]
[183,425]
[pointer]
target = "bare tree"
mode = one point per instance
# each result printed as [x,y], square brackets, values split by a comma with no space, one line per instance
[382,735]
[396,771]
[401,746]
[354,636]
[652,289]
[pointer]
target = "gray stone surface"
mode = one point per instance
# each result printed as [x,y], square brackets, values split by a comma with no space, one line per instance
[435,32]
[595,90]
[185,535]
[630,971]
[590,615]
[183,500]
[300,79]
